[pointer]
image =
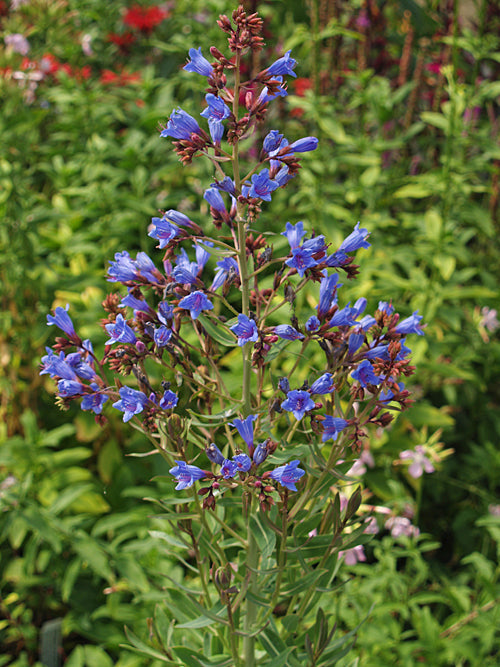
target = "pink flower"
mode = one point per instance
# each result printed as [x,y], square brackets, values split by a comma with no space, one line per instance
[401,525]
[419,462]
[354,555]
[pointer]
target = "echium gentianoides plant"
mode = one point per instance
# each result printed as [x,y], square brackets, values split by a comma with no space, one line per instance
[258,410]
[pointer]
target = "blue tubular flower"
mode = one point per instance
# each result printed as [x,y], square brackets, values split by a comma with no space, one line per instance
[146,266]
[195,303]
[165,312]
[410,325]
[180,126]
[198,63]
[131,402]
[246,330]
[365,374]
[228,469]
[360,306]
[245,429]
[94,401]
[323,385]
[299,402]
[345,317]
[355,240]
[168,400]
[272,141]
[284,385]
[367,322]
[312,324]
[243,462]
[261,453]
[184,276]
[301,260]
[378,352]
[287,332]
[338,258]
[135,303]
[186,474]
[356,340]
[227,267]
[262,185]
[161,336]
[282,66]
[226,185]
[315,245]
[265,96]
[303,145]
[288,474]
[294,234]
[332,427]
[68,388]
[214,198]
[81,367]
[214,454]
[385,307]
[62,320]
[56,366]
[327,294]
[119,331]
[202,254]
[163,230]
[215,113]
[123,269]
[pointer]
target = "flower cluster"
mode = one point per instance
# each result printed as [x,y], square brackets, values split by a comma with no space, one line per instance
[181,317]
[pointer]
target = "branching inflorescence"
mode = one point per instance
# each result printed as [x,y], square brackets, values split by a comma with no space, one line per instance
[211,359]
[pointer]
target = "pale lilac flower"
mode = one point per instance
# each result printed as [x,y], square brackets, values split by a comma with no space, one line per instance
[354,555]
[419,461]
[18,43]
[489,319]
[401,525]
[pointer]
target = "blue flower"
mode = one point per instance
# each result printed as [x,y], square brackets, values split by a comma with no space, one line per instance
[68,388]
[161,336]
[367,322]
[214,454]
[186,474]
[356,340]
[180,126]
[62,320]
[216,112]
[81,367]
[355,240]
[332,427]
[94,401]
[262,185]
[385,307]
[131,402]
[303,145]
[56,366]
[365,374]
[168,400]
[214,198]
[246,330]
[301,260]
[163,230]
[198,63]
[123,269]
[288,474]
[282,66]
[287,332]
[272,142]
[323,385]
[294,234]
[312,324]
[228,469]
[345,317]
[119,331]
[245,429]
[327,294]
[228,267]
[261,453]
[195,303]
[243,462]
[299,402]
[165,312]
[265,96]
[136,303]
[410,325]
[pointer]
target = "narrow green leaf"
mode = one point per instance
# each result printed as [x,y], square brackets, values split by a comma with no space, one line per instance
[218,332]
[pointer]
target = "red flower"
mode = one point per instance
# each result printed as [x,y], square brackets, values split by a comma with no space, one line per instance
[144,18]
[121,78]
[123,41]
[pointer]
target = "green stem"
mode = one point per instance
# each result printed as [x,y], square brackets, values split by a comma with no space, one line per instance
[252,562]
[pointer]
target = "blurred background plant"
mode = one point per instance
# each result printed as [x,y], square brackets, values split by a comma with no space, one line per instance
[404,98]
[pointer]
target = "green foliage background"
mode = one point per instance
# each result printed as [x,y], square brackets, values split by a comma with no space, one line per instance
[410,151]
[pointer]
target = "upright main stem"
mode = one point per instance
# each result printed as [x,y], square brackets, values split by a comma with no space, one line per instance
[252,558]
